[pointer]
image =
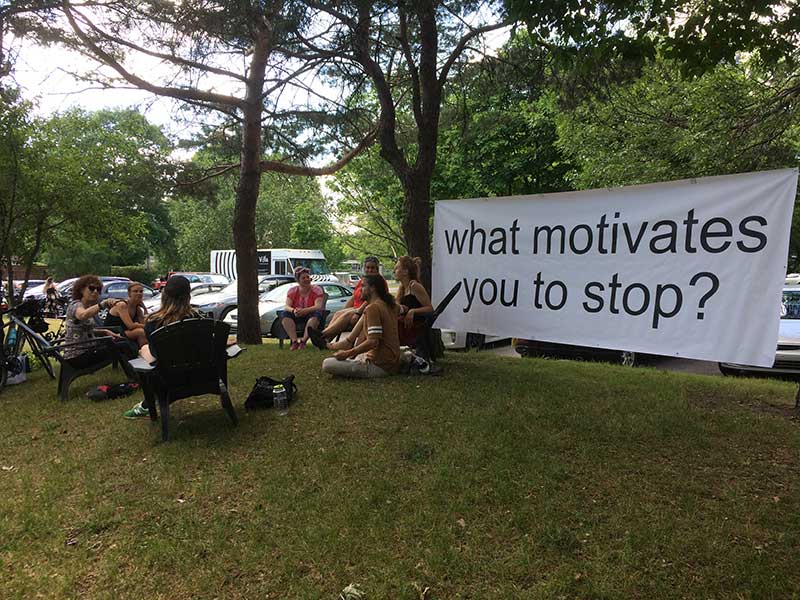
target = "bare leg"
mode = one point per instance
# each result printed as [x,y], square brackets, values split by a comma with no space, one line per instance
[145,353]
[351,338]
[290,328]
[137,335]
[341,321]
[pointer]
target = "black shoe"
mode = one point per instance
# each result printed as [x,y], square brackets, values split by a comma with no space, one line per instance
[317,339]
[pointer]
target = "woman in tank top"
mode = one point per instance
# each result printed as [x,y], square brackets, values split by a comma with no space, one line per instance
[129,315]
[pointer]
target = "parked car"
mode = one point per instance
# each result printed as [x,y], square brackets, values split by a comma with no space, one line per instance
[537,348]
[271,302]
[196,279]
[113,287]
[219,304]
[792,279]
[787,353]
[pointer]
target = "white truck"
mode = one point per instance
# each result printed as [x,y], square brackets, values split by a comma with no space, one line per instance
[275,261]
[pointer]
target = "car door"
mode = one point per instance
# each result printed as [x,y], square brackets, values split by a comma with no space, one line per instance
[337,297]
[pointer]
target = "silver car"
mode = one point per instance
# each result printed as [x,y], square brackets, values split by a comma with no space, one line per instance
[220,304]
[271,302]
[787,354]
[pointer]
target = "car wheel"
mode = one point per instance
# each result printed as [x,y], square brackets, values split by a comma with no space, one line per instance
[627,359]
[474,340]
[226,311]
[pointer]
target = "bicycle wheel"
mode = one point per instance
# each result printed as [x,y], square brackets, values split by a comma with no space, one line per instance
[41,355]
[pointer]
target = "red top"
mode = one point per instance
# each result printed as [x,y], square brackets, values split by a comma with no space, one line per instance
[357,301]
[307,301]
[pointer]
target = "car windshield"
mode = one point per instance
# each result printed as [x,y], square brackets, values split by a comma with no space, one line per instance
[790,305]
[278,294]
[317,266]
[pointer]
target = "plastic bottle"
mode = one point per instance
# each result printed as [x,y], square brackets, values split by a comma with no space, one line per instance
[279,399]
[12,337]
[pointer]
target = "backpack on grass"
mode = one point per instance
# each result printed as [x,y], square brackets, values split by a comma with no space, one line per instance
[261,395]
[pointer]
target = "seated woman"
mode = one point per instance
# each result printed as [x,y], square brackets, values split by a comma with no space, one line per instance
[346,319]
[175,306]
[414,301]
[304,306]
[128,315]
[84,343]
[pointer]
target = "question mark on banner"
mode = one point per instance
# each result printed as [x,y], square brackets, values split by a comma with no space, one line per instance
[714,287]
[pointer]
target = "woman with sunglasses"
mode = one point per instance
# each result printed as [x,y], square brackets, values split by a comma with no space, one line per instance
[84,342]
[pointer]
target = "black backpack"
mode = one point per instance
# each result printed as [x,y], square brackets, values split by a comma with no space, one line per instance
[261,394]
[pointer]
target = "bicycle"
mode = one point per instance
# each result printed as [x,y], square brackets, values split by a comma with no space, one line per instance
[17,333]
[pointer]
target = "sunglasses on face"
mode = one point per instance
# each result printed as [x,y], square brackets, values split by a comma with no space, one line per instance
[94,288]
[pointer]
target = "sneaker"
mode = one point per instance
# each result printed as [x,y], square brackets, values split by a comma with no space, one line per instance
[301,345]
[295,346]
[137,412]
[317,339]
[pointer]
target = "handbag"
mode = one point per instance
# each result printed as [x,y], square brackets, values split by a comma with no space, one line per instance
[261,395]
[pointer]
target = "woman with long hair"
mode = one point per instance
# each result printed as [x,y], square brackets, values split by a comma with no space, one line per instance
[412,298]
[129,315]
[175,306]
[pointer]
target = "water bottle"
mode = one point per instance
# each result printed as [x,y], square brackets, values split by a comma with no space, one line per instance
[12,337]
[279,399]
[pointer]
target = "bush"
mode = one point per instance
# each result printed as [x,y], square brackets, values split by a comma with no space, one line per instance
[138,273]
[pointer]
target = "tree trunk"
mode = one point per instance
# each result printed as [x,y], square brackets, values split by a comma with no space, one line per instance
[416,222]
[244,219]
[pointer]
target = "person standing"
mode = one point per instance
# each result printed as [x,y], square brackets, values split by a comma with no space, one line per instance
[378,355]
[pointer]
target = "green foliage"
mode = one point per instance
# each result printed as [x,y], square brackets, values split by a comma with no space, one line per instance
[138,273]
[79,257]
[664,127]
[290,211]
[83,188]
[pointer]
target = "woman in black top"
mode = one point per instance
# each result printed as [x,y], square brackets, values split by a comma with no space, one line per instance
[129,315]
[175,306]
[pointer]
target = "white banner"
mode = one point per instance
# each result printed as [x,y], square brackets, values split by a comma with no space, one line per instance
[688,268]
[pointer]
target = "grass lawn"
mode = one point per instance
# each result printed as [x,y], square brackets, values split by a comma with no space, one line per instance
[502,479]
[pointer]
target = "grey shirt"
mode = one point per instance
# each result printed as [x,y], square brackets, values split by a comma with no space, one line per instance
[78,330]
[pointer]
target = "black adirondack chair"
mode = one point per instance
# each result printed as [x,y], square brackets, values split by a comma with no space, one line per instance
[68,372]
[192,359]
[425,343]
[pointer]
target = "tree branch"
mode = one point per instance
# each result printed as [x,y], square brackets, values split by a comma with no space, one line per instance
[170,92]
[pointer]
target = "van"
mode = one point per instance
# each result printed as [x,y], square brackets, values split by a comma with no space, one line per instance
[275,261]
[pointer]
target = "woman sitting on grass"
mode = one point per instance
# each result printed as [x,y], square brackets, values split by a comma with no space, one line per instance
[175,306]
[347,318]
[129,315]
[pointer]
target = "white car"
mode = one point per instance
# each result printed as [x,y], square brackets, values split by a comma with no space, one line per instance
[787,354]
[792,279]
[271,302]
